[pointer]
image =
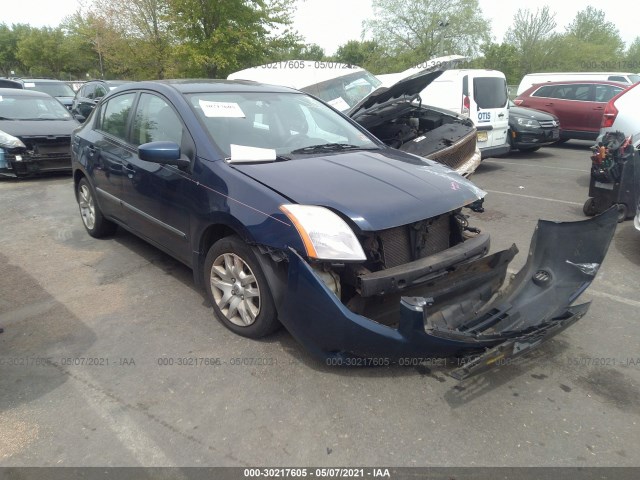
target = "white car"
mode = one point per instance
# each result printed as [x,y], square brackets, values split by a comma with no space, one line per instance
[621,113]
[395,115]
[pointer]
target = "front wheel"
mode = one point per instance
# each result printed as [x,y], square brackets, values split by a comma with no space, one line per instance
[238,289]
[94,222]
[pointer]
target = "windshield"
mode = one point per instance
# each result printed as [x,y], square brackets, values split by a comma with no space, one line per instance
[342,93]
[52,88]
[263,125]
[21,107]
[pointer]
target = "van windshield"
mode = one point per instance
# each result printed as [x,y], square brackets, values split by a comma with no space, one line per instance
[490,92]
[634,78]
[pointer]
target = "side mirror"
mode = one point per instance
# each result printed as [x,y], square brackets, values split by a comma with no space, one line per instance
[164,153]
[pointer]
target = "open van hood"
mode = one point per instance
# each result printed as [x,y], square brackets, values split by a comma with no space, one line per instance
[412,82]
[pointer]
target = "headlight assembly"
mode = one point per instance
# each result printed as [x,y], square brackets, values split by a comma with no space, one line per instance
[528,122]
[9,141]
[324,234]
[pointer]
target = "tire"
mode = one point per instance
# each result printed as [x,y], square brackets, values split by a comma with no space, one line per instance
[589,208]
[622,212]
[94,222]
[235,283]
[529,149]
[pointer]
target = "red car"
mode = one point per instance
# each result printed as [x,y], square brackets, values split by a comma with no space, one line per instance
[579,105]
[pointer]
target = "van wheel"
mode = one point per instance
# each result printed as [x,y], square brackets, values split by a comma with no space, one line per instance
[622,212]
[94,222]
[238,289]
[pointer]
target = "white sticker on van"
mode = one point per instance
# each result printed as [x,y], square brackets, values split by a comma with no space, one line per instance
[484,117]
[221,109]
[29,85]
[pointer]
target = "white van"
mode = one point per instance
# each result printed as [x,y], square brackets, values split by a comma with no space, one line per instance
[482,96]
[534,78]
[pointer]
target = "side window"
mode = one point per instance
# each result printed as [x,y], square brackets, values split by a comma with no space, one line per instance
[617,78]
[604,93]
[89,91]
[546,91]
[583,93]
[155,121]
[115,114]
[100,91]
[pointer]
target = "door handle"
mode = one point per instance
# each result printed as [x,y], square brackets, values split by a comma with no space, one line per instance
[548,104]
[598,108]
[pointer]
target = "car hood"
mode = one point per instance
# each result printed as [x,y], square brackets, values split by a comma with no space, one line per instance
[376,189]
[530,113]
[413,83]
[27,128]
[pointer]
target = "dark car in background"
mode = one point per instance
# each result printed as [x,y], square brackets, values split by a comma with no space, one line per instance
[290,212]
[9,83]
[579,105]
[89,94]
[35,133]
[56,88]
[530,129]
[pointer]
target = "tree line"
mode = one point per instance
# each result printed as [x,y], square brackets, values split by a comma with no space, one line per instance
[155,39]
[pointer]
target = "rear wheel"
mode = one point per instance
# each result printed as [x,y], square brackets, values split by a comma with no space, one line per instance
[622,212]
[589,208]
[238,289]
[94,222]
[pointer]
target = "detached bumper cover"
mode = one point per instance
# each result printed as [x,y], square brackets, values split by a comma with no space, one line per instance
[465,312]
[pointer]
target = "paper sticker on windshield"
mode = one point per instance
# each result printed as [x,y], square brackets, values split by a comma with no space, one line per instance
[29,85]
[221,109]
[244,153]
[0,98]
[339,104]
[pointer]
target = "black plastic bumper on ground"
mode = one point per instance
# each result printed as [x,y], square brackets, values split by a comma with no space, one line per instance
[459,315]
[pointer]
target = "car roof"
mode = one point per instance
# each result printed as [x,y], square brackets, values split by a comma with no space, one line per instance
[110,82]
[42,80]
[12,92]
[210,86]
[296,73]
[571,82]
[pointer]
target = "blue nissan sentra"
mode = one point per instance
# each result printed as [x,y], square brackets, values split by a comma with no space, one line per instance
[290,213]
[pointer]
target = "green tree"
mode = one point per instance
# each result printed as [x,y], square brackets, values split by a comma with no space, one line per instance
[632,56]
[503,57]
[42,51]
[591,41]
[412,32]
[532,34]
[9,58]
[367,54]
[217,38]
[133,36]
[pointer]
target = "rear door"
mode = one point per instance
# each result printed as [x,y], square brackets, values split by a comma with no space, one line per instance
[489,109]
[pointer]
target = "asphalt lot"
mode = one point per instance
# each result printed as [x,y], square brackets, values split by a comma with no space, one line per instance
[109,314]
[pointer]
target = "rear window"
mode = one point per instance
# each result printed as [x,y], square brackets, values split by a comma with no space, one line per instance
[545,91]
[490,92]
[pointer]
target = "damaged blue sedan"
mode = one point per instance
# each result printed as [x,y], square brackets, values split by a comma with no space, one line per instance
[290,213]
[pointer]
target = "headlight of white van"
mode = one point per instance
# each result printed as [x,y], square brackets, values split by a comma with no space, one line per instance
[324,234]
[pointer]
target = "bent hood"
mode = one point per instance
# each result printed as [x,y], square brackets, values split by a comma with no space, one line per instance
[375,189]
[29,128]
[413,81]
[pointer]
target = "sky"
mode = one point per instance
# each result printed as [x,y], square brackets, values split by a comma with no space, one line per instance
[331,23]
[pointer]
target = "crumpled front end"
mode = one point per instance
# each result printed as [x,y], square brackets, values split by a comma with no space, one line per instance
[41,154]
[449,308]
